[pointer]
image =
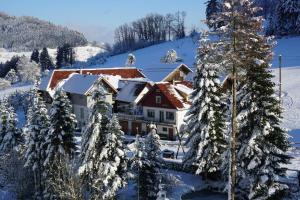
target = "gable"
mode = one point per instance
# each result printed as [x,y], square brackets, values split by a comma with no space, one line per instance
[168,99]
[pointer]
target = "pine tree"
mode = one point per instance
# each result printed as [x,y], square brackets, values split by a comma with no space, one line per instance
[130,60]
[213,7]
[12,76]
[93,140]
[36,130]
[206,118]
[4,118]
[262,143]
[45,60]
[112,161]
[246,54]
[148,171]
[60,144]
[287,16]
[10,135]
[234,34]
[35,56]
[59,57]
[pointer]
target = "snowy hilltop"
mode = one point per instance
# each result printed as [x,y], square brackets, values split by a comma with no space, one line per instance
[19,34]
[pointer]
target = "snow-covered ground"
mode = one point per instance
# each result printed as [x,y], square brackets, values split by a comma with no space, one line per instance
[148,59]
[14,89]
[81,53]
[290,100]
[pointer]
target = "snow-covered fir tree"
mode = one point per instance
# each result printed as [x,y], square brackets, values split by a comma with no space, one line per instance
[60,143]
[113,165]
[12,76]
[287,18]
[4,118]
[205,118]
[262,143]
[246,54]
[213,7]
[11,136]
[130,60]
[45,60]
[148,176]
[93,140]
[170,57]
[35,130]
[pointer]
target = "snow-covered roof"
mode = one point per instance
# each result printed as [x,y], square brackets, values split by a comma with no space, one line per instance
[183,88]
[79,83]
[125,72]
[130,90]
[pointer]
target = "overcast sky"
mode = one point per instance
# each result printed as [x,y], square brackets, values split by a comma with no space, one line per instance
[97,19]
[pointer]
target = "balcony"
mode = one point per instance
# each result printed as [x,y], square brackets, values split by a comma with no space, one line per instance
[131,117]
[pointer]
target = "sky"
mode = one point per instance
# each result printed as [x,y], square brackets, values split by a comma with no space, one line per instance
[97,19]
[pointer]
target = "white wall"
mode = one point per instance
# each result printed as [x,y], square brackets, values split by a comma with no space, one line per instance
[157,110]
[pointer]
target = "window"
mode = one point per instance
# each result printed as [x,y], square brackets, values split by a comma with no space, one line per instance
[165,129]
[151,113]
[170,116]
[82,113]
[158,99]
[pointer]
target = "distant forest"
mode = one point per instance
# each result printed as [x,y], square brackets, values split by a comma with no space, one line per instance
[28,33]
[282,16]
[149,30]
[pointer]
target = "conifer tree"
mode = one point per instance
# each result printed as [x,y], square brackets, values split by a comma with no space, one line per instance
[130,60]
[60,144]
[36,130]
[35,56]
[246,54]
[148,172]
[262,143]
[4,118]
[45,60]
[287,17]
[112,161]
[94,136]
[213,7]
[59,57]
[205,118]
[10,135]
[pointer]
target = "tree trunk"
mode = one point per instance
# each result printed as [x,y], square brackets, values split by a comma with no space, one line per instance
[232,178]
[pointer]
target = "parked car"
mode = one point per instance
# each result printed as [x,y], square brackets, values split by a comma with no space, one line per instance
[168,154]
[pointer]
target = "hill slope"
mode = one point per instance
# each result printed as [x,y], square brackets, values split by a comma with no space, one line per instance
[26,33]
[148,59]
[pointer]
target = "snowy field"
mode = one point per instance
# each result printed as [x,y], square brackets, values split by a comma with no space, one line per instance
[81,53]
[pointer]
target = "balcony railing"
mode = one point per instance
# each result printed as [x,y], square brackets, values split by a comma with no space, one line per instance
[126,116]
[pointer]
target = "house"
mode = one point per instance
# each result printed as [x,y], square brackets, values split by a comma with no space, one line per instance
[131,92]
[165,104]
[136,100]
[78,84]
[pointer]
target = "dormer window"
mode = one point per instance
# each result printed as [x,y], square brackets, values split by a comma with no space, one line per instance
[158,99]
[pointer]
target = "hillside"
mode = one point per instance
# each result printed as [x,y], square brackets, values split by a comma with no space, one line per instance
[26,33]
[148,59]
[82,53]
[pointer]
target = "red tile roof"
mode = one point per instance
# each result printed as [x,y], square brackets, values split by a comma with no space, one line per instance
[59,75]
[169,100]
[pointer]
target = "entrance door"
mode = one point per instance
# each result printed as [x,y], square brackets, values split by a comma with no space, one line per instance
[161,116]
[171,134]
[136,128]
[124,126]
